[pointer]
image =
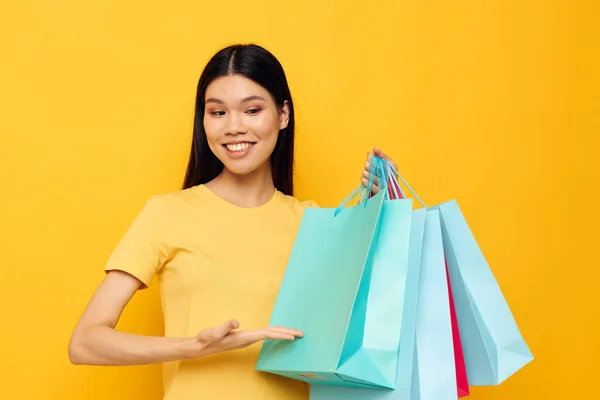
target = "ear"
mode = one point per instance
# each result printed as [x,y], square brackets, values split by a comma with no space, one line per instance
[284,115]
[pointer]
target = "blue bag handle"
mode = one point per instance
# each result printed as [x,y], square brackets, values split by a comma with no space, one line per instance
[392,175]
[396,185]
[378,168]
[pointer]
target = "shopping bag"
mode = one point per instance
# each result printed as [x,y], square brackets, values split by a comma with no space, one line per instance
[404,370]
[426,367]
[492,344]
[435,370]
[344,288]
[459,362]
[462,380]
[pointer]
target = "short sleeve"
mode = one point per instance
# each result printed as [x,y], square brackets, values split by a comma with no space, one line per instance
[142,251]
[310,204]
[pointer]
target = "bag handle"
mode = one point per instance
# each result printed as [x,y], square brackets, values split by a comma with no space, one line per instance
[392,174]
[395,185]
[394,190]
[379,166]
[392,181]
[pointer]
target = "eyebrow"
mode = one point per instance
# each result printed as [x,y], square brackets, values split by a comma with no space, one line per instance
[247,99]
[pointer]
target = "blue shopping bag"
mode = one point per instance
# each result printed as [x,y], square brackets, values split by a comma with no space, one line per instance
[493,346]
[344,288]
[426,368]
[434,366]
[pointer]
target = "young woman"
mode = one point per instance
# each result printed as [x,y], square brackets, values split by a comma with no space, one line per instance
[219,245]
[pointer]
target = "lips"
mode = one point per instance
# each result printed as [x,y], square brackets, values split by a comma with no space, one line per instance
[238,147]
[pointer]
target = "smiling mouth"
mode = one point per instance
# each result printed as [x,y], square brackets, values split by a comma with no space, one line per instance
[238,147]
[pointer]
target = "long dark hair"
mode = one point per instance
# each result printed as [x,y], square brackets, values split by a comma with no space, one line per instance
[259,65]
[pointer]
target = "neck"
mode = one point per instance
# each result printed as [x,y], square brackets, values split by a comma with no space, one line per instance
[250,190]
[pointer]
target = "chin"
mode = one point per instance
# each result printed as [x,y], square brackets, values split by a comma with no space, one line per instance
[241,167]
[240,170]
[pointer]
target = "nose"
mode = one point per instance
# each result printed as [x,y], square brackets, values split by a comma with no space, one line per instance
[235,124]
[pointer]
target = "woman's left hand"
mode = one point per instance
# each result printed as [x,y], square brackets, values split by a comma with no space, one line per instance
[367,169]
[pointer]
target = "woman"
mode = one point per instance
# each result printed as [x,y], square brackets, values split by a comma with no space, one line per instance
[219,245]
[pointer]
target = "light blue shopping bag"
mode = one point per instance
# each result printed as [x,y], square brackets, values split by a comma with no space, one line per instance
[434,366]
[426,368]
[344,288]
[493,346]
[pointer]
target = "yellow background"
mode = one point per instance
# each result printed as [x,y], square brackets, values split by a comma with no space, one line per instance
[494,104]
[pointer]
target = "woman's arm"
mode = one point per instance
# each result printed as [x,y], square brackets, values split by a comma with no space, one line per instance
[96,342]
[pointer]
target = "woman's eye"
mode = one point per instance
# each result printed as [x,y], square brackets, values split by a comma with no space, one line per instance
[253,111]
[217,113]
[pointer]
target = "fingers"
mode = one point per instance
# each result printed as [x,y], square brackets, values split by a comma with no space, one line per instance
[224,337]
[217,333]
[374,188]
[273,334]
[226,328]
[365,181]
[277,333]
[367,166]
[382,155]
[282,333]
[379,153]
[367,170]
[293,331]
[247,338]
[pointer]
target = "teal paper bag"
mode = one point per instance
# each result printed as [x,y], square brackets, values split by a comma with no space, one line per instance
[426,367]
[405,376]
[343,287]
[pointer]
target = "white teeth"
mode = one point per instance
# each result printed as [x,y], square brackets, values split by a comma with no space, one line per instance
[237,146]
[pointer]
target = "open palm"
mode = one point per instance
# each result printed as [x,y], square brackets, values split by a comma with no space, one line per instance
[226,337]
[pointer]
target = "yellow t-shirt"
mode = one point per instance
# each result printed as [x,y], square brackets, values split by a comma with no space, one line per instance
[214,261]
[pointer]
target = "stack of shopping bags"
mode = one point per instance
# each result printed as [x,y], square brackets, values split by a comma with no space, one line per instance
[396,302]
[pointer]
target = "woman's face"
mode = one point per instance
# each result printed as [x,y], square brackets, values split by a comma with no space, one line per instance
[242,122]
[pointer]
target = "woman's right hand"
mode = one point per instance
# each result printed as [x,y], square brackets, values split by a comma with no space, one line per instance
[95,341]
[225,337]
